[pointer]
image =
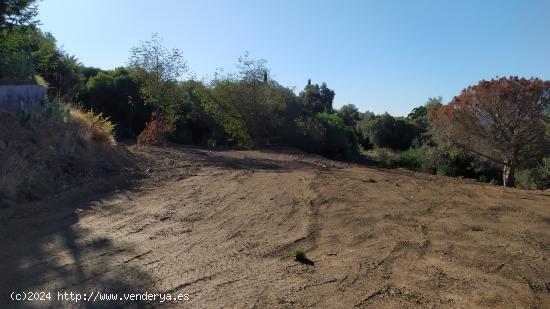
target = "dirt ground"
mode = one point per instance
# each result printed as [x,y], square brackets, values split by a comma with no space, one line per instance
[219,226]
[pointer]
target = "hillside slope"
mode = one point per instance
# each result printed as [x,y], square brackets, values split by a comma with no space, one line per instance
[220,225]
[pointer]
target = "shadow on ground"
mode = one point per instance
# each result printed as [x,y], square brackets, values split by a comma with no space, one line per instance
[43,244]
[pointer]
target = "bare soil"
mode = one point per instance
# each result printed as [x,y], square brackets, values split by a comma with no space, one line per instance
[220,225]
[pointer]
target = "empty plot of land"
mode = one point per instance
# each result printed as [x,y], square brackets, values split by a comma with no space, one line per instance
[220,225]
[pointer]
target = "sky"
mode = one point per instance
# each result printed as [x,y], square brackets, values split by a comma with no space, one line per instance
[382,56]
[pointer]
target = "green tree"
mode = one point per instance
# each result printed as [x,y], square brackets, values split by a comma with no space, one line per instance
[116,95]
[328,135]
[317,99]
[16,14]
[194,125]
[350,114]
[158,70]
[419,115]
[15,60]
[220,103]
[252,84]
[386,131]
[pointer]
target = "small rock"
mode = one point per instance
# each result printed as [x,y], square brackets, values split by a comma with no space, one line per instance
[3,145]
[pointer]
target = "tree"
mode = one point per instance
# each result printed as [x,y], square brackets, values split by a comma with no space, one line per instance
[350,114]
[327,135]
[16,13]
[157,69]
[17,24]
[116,95]
[386,131]
[15,60]
[252,103]
[501,120]
[317,99]
[252,70]
[419,115]
[220,103]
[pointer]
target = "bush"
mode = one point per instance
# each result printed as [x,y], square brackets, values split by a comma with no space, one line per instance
[221,104]
[156,130]
[192,124]
[15,64]
[298,254]
[534,178]
[386,131]
[116,95]
[387,158]
[412,158]
[327,135]
[98,127]
[441,160]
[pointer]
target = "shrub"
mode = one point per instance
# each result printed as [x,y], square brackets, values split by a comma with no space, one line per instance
[220,104]
[327,135]
[156,130]
[534,178]
[192,124]
[98,127]
[386,131]
[116,95]
[386,157]
[412,158]
[298,254]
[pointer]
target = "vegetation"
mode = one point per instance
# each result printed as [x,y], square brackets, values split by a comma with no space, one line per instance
[501,123]
[17,13]
[500,120]
[298,254]
[54,147]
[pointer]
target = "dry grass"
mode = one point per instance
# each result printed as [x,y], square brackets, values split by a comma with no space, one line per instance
[53,149]
[94,127]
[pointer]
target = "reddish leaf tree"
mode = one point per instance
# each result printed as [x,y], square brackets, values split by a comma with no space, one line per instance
[500,120]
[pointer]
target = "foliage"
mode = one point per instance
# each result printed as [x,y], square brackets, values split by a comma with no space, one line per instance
[253,70]
[537,177]
[116,94]
[387,131]
[412,158]
[17,14]
[419,115]
[157,70]
[193,124]
[156,130]
[317,99]
[328,135]
[250,109]
[54,147]
[500,120]
[99,127]
[361,130]
[220,102]
[350,114]
[447,160]
[15,60]
[298,254]
[51,110]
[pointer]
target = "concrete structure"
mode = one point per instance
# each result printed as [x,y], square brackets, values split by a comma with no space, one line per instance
[19,99]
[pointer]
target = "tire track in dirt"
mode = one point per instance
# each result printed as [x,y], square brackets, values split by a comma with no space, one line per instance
[219,225]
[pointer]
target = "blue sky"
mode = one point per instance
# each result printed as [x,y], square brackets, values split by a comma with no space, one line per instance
[379,55]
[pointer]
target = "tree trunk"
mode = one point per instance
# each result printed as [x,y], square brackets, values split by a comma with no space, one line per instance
[508,179]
